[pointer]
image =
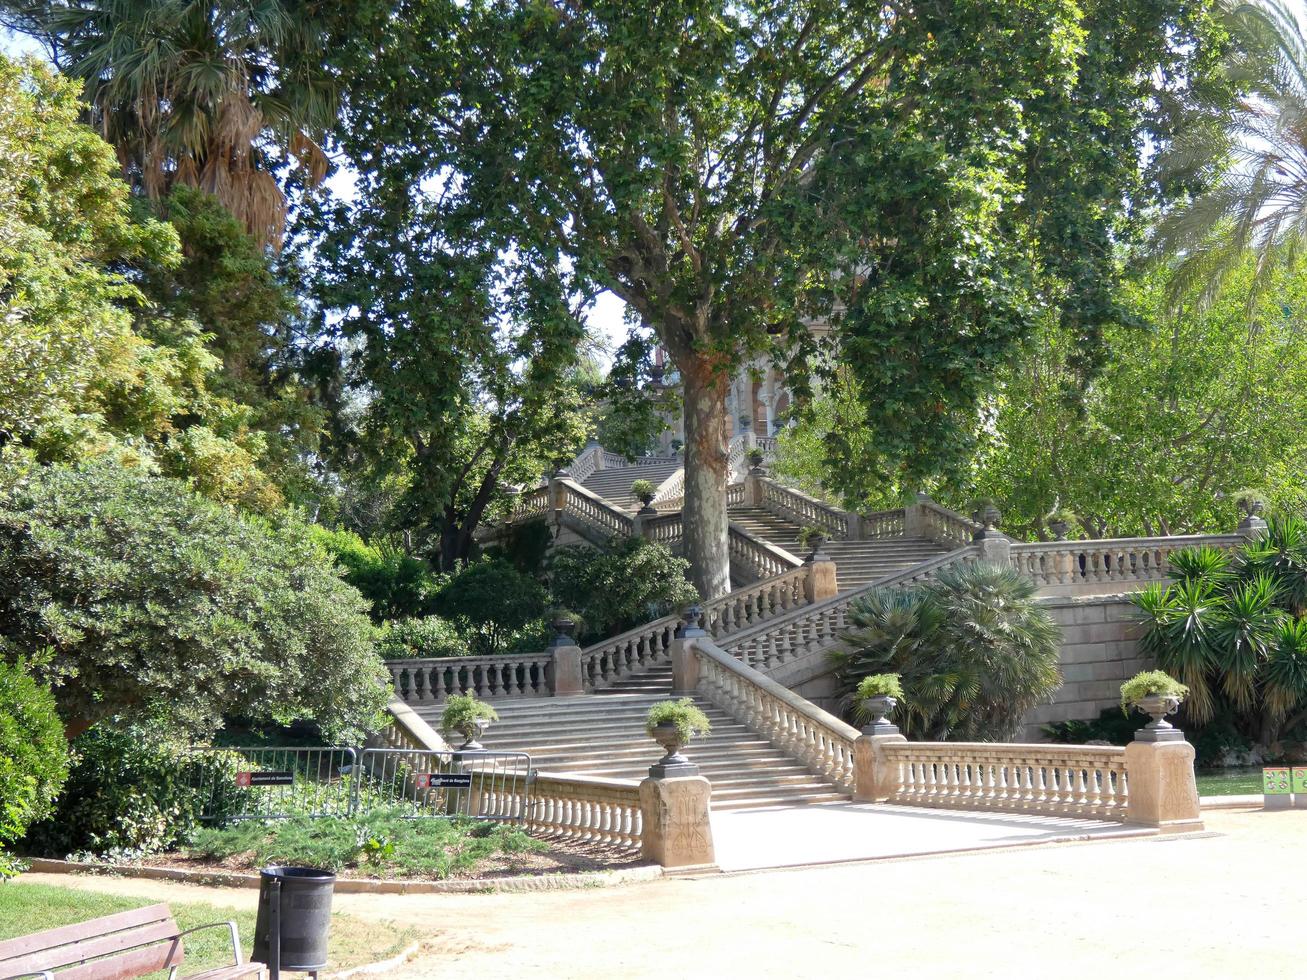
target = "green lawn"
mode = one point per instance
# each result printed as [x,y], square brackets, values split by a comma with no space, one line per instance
[1238,782]
[26,908]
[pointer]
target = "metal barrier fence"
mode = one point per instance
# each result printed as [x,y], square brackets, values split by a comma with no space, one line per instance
[261,783]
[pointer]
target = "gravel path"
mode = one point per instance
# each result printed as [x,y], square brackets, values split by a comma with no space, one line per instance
[1230,903]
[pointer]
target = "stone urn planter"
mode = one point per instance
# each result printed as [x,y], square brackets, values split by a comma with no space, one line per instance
[1059,529]
[672,724]
[814,538]
[1157,707]
[472,733]
[667,735]
[879,707]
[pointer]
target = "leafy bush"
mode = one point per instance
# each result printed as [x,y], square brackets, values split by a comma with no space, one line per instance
[463,711]
[427,637]
[1233,629]
[643,488]
[492,600]
[973,648]
[381,841]
[879,685]
[688,719]
[633,582]
[158,603]
[1150,682]
[133,791]
[33,756]
[399,585]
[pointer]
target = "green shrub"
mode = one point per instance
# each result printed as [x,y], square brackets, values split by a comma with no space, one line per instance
[427,637]
[399,585]
[643,488]
[157,603]
[615,590]
[33,756]
[1149,682]
[879,685]
[133,791]
[683,713]
[974,650]
[463,711]
[491,600]
[382,841]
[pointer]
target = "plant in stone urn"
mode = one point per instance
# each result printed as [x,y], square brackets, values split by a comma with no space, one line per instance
[1061,521]
[984,510]
[876,696]
[755,457]
[812,537]
[672,724]
[644,491]
[1251,502]
[1156,694]
[469,717]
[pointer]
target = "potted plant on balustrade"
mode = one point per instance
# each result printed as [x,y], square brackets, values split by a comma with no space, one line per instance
[644,490]
[1061,521]
[673,724]
[469,717]
[1156,694]
[1251,503]
[812,537]
[756,457]
[874,699]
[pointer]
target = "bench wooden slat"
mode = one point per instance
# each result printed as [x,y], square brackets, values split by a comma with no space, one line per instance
[96,945]
[126,966]
[230,972]
[49,938]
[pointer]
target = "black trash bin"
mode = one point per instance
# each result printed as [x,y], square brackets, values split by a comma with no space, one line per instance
[294,919]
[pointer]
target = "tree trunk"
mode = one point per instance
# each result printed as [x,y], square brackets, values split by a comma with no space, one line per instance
[706,534]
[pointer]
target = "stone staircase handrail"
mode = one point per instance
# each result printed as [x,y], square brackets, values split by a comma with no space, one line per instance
[946,526]
[794,725]
[1061,780]
[779,641]
[890,523]
[801,509]
[1062,565]
[532,504]
[673,488]
[582,808]
[405,729]
[429,680]
[588,462]
[762,558]
[593,511]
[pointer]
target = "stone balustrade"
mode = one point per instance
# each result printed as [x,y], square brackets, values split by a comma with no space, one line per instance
[673,488]
[429,680]
[631,652]
[665,529]
[882,524]
[767,444]
[1055,780]
[1074,567]
[585,809]
[798,508]
[587,463]
[756,604]
[756,557]
[817,627]
[942,525]
[795,726]
[405,729]
[533,503]
[591,512]
[737,456]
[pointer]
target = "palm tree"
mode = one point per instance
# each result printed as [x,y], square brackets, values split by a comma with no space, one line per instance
[215,94]
[1256,173]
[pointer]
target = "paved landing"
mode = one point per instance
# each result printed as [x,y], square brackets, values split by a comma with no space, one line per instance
[783,837]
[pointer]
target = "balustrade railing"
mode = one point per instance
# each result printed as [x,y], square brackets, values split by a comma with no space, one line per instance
[1061,780]
[532,504]
[586,463]
[735,495]
[593,512]
[883,524]
[759,558]
[767,444]
[798,508]
[428,680]
[818,626]
[795,726]
[946,526]
[584,809]
[404,729]
[1069,566]
[665,529]
[673,488]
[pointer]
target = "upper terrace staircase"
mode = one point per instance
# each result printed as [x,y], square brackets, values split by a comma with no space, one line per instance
[769,746]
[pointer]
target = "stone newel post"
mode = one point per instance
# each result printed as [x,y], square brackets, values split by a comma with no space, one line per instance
[685,665]
[874,777]
[565,665]
[1163,792]
[677,830]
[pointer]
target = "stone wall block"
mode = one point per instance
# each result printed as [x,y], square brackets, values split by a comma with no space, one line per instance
[1163,792]
[677,831]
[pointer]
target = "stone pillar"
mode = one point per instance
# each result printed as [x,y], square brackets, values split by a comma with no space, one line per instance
[677,831]
[685,663]
[753,488]
[995,546]
[1252,526]
[874,778]
[1163,793]
[914,518]
[822,580]
[565,675]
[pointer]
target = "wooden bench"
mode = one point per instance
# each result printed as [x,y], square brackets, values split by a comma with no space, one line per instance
[115,947]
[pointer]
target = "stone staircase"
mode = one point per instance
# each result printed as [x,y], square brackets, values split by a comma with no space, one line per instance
[603,735]
[614,485]
[857,563]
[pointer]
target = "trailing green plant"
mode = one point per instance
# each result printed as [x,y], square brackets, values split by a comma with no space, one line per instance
[1232,629]
[33,757]
[879,685]
[463,711]
[641,489]
[689,720]
[974,650]
[430,636]
[1150,683]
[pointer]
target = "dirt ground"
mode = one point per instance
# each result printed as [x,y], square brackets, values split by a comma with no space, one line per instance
[1230,903]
